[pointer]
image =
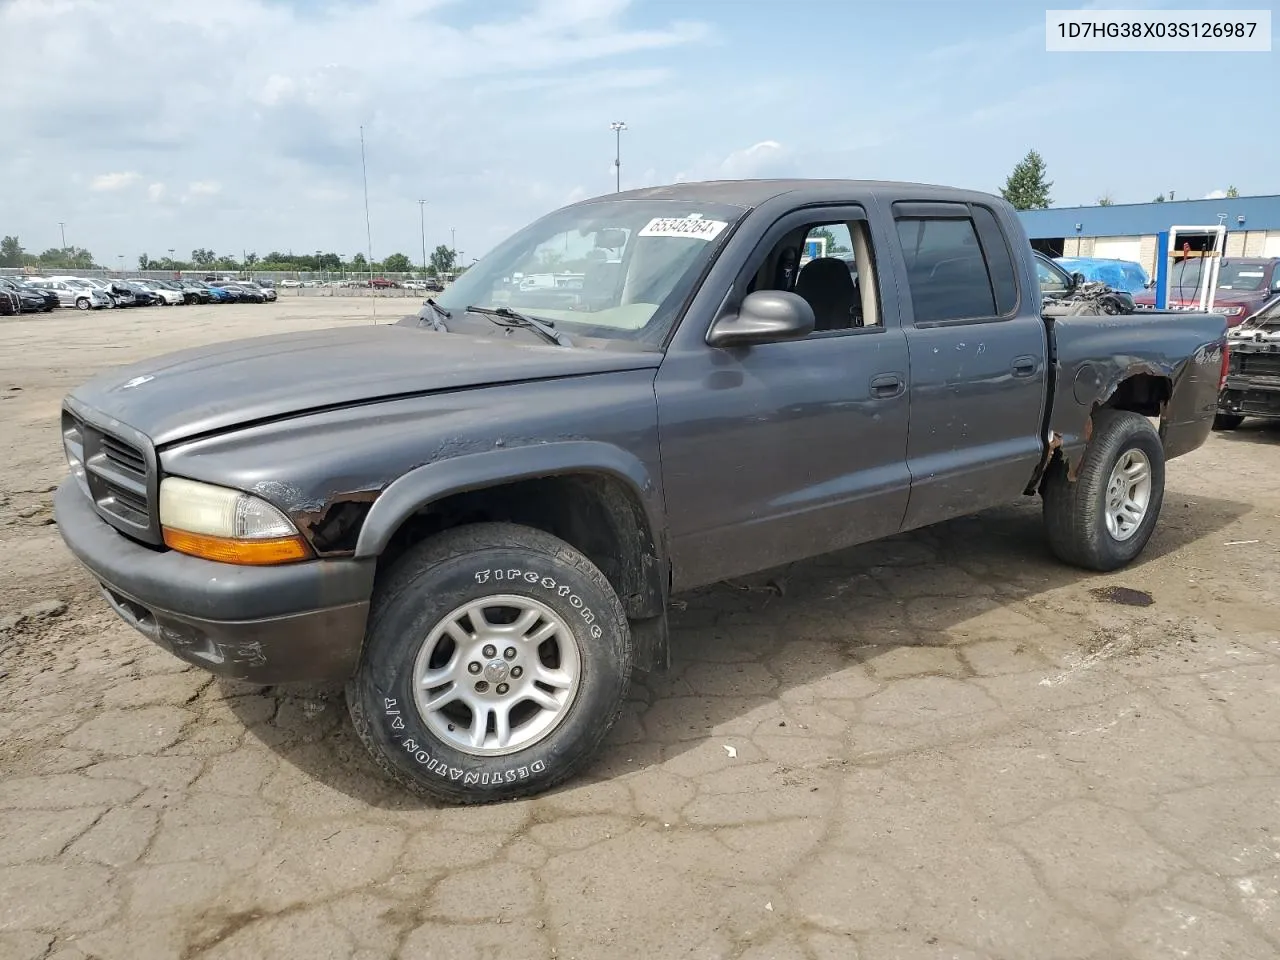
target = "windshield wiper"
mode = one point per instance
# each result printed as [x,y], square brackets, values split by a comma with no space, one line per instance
[435,322]
[506,317]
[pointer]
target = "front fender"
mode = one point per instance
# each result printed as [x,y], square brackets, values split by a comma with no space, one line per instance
[475,471]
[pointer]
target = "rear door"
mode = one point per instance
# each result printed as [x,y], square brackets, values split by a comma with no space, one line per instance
[978,350]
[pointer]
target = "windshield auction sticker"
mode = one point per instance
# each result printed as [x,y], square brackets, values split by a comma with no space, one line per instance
[1157,31]
[691,226]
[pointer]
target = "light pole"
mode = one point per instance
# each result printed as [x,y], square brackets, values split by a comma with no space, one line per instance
[317,263]
[63,227]
[422,225]
[617,127]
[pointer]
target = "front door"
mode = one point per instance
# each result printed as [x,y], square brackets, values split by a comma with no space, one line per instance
[780,451]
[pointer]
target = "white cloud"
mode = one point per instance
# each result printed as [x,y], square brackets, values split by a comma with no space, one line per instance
[765,159]
[1215,195]
[114,181]
[495,112]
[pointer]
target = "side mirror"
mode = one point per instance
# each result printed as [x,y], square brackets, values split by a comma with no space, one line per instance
[764,317]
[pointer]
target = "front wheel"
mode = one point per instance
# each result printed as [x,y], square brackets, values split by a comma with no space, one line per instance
[83,303]
[497,659]
[1103,519]
[1227,421]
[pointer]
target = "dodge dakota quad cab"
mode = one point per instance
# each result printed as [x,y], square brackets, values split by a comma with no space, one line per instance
[475,516]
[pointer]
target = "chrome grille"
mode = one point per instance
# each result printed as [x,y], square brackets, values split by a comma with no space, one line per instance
[116,473]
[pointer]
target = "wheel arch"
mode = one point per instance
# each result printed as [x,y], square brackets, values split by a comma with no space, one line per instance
[597,497]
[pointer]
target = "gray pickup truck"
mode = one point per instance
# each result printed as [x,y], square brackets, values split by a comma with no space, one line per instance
[476,516]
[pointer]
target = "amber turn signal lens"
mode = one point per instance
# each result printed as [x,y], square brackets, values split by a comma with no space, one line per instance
[259,553]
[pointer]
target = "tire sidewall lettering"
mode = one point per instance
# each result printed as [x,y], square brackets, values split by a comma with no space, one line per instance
[547,583]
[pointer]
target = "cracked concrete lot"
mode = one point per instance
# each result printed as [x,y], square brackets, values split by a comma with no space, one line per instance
[945,745]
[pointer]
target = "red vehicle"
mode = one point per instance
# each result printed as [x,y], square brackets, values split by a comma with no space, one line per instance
[1244,285]
[382,283]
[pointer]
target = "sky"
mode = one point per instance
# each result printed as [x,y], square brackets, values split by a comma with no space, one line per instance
[150,125]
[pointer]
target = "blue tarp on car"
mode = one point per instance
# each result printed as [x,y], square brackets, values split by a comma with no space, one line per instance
[1117,274]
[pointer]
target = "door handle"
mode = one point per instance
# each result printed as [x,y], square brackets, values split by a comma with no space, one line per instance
[886,386]
[1025,366]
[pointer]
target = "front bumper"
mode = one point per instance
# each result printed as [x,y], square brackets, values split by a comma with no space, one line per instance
[1250,397]
[296,622]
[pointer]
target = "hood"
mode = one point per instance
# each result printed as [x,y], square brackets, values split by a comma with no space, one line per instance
[206,389]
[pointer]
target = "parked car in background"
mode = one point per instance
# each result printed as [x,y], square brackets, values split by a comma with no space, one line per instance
[142,296]
[117,299]
[10,305]
[239,292]
[220,294]
[76,292]
[1252,387]
[290,284]
[382,283]
[31,299]
[1244,285]
[196,291]
[1117,274]
[169,294]
[268,293]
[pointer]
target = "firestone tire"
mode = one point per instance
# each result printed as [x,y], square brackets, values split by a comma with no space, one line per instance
[500,620]
[1103,520]
[1227,421]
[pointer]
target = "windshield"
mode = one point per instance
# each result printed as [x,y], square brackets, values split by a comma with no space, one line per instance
[614,269]
[1231,276]
[1241,276]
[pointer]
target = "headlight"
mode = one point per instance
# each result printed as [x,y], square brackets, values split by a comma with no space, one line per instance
[217,523]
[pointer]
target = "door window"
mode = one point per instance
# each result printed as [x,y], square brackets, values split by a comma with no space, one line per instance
[946,272]
[830,264]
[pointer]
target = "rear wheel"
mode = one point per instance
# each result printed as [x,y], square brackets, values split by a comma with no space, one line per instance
[496,660]
[1103,519]
[1227,421]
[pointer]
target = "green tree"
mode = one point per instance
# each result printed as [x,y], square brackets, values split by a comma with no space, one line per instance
[1232,192]
[359,264]
[397,263]
[1105,200]
[74,258]
[11,252]
[250,260]
[443,259]
[1159,198]
[1026,188]
[145,262]
[203,258]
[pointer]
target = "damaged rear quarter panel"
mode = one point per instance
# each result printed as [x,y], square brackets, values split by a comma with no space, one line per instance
[1096,355]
